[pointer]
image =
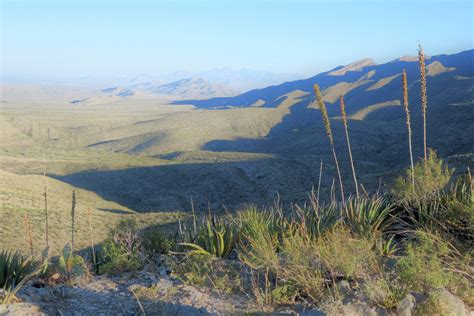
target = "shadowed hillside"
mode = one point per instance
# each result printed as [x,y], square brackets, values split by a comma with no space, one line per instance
[365,84]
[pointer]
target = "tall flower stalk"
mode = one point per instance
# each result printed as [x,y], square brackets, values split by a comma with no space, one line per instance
[424,99]
[45,195]
[327,126]
[407,112]
[344,120]
[73,218]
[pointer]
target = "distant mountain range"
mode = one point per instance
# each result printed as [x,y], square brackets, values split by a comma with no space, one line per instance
[193,87]
[366,84]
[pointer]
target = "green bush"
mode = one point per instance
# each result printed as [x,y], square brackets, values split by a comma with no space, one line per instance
[116,258]
[430,176]
[156,242]
[427,264]
[121,251]
[209,271]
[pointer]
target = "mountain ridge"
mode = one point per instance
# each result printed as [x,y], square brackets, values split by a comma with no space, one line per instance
[459,65]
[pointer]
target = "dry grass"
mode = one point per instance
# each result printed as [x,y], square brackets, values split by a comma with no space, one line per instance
[22,196]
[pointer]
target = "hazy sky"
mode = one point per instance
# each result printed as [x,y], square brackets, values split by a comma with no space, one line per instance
[74,38]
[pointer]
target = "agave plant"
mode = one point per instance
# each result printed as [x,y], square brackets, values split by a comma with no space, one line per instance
[215,237]
[368,215]
[15,271]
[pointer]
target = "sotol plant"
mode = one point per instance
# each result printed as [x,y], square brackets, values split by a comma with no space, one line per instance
[344,120]
[327,125]
[407,112]
[424,99]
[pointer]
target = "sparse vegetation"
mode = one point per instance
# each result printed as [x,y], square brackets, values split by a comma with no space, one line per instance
[430,176]
[417,236]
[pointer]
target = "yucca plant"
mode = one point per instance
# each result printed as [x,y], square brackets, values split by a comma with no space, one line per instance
[327,126]
[344,120]
[15,271]
[215,237]
[366,215]
[407,112]
[424,99]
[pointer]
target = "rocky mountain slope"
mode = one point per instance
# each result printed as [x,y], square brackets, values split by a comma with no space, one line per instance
[450,78]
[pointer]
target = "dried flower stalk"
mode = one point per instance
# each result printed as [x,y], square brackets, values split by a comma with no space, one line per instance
[344,120]
[327,126]
[407,112]
[424,99]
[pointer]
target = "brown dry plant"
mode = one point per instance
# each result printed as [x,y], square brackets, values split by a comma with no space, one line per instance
[344,120]
[407,112]
[424,99]
[327,126]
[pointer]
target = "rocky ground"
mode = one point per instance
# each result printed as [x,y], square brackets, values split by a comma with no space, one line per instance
[146,293]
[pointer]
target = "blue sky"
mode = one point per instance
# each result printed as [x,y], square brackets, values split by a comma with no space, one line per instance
[75,38]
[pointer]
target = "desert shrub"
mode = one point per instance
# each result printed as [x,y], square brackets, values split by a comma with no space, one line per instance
[70,266]
[301,264]
[156,242]
[345,255]
[207,270]
[366,216]
[216,237]
[121,251]
[435,304]
[431,262]
[430,175]
[384,291]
